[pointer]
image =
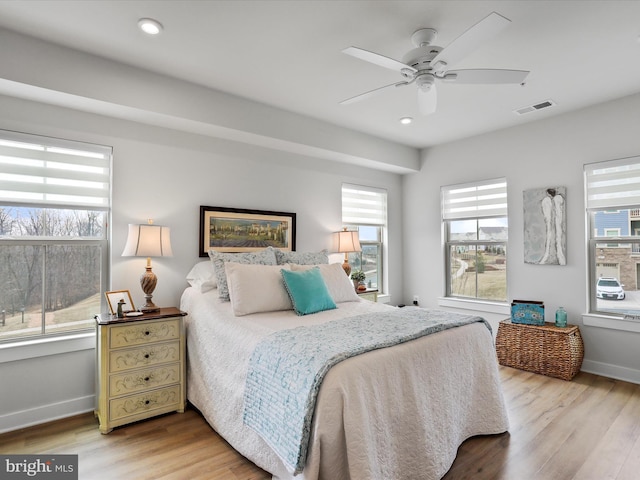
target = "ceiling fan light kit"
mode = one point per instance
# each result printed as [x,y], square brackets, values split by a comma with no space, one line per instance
[426,63]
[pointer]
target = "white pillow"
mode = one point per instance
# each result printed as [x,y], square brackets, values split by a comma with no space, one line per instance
[202,276]
[301,258]
[340,286]
[256,288]
[260,257]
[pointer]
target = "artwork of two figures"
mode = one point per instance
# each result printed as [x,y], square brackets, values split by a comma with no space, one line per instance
[545,226]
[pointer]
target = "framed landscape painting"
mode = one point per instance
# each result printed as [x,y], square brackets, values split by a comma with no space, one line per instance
[239,230]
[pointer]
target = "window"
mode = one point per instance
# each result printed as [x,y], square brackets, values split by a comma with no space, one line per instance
[54,210]
[613,216]
[364,209]
[475,224]
[612,232]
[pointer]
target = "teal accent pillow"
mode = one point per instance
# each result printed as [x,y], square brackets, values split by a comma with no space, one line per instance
[307,290]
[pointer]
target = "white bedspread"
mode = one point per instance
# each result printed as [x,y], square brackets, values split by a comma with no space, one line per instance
[394,413]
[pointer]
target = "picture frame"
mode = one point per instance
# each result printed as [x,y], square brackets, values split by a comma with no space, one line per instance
[115,296]
[545,225]
[242,230]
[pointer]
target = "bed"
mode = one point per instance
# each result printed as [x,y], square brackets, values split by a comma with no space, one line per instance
[396,412]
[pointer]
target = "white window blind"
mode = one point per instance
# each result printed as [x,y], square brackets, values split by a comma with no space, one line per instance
[475,200]
[49,171]
[613,184]
[364,205]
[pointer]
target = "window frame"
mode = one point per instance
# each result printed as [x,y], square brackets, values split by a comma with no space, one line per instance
[373,214]
[449,244]
[596,243]
[353,256]
[45,331]
[473,208]
[607,193]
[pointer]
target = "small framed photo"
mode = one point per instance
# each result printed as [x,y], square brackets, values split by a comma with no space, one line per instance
[113,298]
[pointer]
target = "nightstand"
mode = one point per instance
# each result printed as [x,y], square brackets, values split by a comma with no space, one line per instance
[369,294]
[141,367]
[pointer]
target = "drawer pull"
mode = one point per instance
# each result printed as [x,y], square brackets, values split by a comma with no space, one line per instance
[147,402]
[146,355]
[147,332]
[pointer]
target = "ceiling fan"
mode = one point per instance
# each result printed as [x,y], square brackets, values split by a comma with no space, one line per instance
[427,63]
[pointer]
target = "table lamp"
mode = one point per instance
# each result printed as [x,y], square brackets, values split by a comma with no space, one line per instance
[346,242]
[148,241]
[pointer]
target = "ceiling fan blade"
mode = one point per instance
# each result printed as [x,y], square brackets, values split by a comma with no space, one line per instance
[427,100]
[486,76]
[467,42]
[378,59]
[372,93]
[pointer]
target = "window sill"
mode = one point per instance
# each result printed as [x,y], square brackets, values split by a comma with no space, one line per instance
[384,298]
[475,305]
[42,347]
[612,323]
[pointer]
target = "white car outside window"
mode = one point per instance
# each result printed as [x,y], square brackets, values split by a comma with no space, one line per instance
[609,288]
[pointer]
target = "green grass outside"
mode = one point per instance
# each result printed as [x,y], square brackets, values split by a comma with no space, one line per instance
[492,283]
[79,315]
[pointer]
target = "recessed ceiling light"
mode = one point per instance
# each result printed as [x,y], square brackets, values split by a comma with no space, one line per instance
[150,26]
[406,120]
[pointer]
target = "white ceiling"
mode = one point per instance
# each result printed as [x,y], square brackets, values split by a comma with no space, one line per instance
[288,54]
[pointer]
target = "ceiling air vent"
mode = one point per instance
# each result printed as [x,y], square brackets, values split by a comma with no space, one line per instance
[537,106]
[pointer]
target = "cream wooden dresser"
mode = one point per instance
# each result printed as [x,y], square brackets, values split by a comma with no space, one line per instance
[141,367]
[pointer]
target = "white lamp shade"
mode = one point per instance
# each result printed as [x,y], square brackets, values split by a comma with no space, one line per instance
[148,241]
[345,242]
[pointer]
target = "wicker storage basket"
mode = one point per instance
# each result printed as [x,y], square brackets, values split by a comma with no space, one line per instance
[547,349]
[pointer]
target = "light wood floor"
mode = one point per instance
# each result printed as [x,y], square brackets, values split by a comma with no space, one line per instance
[586,429]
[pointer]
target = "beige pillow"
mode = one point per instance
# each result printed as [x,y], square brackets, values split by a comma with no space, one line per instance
[256,288]
[339,285]
[260,257]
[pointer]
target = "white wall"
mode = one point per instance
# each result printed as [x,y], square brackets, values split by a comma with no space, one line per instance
[539,154]
[166,175]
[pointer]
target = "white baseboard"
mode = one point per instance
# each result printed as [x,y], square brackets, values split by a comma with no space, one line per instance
[46,413]
[612,371]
